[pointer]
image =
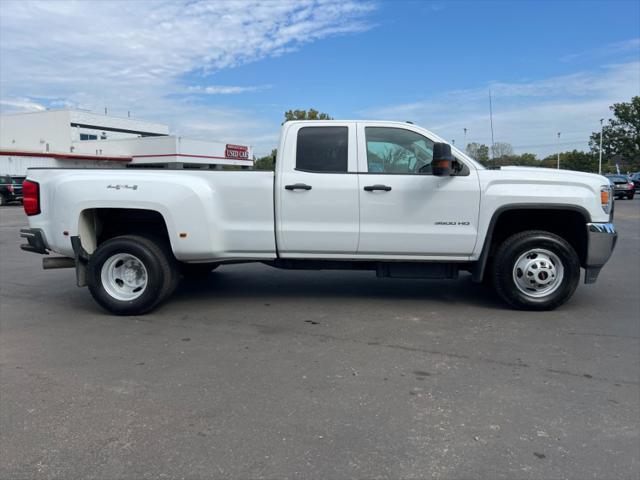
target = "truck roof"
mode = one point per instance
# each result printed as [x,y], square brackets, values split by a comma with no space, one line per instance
[431,134]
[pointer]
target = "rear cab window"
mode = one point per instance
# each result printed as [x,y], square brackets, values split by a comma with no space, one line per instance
[323,149]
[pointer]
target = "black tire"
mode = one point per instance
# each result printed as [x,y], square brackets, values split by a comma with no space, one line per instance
[3,201]
[630,197]
[513,249]
[197,270]
[158,261]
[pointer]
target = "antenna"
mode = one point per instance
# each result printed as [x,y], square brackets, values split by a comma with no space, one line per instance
[491,120]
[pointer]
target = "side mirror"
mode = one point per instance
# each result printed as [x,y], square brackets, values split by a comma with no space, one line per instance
[442,160]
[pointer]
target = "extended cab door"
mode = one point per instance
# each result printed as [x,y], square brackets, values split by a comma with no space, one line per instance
[317,190]
[405,211]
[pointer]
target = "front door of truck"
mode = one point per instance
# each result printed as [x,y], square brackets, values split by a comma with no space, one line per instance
[317,191]
[405,211]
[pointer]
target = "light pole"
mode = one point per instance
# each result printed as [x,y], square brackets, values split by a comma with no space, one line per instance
[600,156]
[465,137]
[493,146]
[558,150]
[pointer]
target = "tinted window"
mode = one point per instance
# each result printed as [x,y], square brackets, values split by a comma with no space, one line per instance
[322,149]
[396,150]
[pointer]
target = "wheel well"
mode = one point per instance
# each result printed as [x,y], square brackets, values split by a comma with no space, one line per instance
[568,224]
[97,225]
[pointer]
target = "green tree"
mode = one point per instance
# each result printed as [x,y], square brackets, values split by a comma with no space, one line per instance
[310,114]
[266,163]
[524,160]
[501,149]
[573,160]
[620,137]
[479,152]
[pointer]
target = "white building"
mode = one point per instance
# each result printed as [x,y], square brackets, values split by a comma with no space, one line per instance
[80,139]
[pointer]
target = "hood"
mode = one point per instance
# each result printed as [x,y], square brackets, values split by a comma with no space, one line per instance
[554,173]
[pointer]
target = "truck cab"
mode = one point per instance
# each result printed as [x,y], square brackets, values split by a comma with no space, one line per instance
[368,190]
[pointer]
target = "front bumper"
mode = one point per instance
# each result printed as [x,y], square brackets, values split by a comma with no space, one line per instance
[601,240]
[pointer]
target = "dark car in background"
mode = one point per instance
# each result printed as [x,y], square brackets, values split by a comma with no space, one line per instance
[622,186]
[10,189]
[635,178]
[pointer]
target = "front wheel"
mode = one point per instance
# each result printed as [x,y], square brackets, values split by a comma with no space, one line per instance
[630,196]
[536,270]
[131,274]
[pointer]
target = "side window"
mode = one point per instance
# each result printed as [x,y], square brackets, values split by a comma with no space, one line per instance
[322,149]
[396,150]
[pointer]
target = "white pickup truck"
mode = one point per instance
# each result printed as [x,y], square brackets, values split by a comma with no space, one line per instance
[389,197]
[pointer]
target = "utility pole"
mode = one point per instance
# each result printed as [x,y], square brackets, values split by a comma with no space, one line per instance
[558,150]
[491,120]
[600,156]
[465,137]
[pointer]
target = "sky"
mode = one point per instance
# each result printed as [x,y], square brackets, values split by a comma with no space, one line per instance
[227,70]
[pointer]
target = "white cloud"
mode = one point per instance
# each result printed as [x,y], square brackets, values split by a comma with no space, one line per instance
[226,89]
[144,55]
[527,114]
[20,104]
[630,46]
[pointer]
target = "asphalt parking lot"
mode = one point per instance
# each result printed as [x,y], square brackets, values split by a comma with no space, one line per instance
[260,373]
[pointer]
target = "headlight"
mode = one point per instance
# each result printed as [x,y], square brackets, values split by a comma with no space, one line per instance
[606,198]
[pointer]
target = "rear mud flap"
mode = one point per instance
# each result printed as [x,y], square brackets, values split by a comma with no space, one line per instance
[82,259]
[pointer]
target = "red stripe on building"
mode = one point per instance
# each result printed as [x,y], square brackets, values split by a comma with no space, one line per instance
[64,156]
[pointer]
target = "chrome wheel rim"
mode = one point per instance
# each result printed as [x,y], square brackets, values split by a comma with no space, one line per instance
[538,272]
[124,277]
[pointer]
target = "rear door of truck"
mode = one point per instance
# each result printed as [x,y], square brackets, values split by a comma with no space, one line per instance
[317,190]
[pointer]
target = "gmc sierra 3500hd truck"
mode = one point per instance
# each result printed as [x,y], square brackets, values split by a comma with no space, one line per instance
[384,196]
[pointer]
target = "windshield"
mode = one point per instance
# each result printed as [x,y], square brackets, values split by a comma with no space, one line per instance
[618,178]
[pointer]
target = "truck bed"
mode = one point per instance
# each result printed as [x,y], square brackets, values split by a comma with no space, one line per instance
[208,213]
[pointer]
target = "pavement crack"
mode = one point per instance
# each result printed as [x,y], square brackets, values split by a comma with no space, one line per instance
[461,356]
[632,337]
[591,377]
[458,356]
